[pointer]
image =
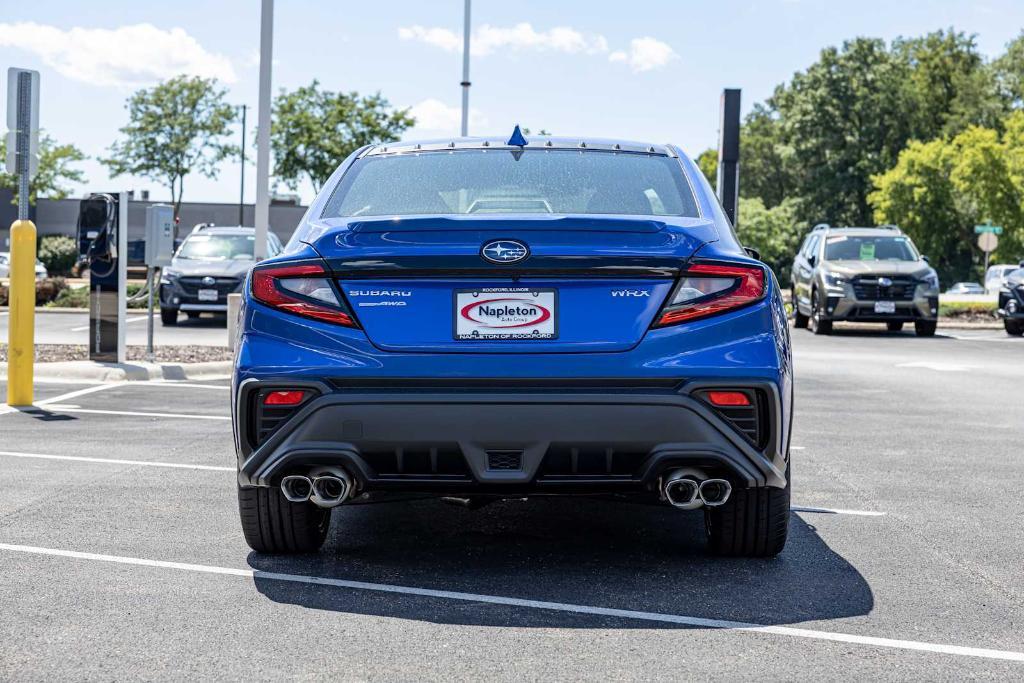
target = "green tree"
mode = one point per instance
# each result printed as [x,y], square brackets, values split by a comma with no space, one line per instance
[53,173]
[767,169]
[1009,71]
[940,189]
[175,128]
[846,119]
[314,130]
[775,232]
[707,162]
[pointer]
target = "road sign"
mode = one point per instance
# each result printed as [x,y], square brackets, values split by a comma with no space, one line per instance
[994,229]
[987,241]
[22,117]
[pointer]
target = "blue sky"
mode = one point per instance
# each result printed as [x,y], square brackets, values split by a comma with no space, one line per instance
[641,70]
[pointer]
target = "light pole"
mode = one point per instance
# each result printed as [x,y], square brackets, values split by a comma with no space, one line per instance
[241,184]
[262,217]
[465,72]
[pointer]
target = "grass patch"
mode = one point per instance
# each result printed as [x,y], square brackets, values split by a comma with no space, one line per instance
[976,311]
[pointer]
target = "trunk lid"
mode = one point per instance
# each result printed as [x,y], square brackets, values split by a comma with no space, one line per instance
[589,283]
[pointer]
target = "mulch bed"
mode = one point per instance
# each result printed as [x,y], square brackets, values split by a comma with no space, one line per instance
[48,353]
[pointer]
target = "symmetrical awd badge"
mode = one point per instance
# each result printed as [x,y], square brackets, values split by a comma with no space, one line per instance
[504,251]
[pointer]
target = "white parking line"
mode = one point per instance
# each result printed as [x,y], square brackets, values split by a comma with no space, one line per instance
[4,408]
[836,511]
[133,413]
[117,461]
[657,617]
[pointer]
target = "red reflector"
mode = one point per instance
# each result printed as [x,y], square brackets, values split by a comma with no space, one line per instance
[284,398]
[728,398]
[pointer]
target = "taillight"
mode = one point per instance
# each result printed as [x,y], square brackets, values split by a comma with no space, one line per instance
[284,398]
[723,399]
[294,290]
[710,288]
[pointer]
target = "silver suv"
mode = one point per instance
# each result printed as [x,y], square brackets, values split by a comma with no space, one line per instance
[873,275]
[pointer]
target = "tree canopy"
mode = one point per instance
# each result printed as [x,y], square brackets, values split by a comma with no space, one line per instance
[54,171]
[314,130]
[175,128]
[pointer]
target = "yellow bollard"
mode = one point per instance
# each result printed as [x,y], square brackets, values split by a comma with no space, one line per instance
[21,322]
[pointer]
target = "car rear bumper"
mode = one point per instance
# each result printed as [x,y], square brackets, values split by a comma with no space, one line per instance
[494,437]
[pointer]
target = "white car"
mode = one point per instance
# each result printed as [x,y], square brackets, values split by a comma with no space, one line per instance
[5,266]
[995,276]
[966,288]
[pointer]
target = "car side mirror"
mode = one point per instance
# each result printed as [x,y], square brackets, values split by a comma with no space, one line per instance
[925,259]
[812,260]
[752,253]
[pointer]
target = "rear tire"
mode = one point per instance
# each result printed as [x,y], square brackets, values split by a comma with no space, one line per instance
[1014,328]
[925,328]
[894,326]
[816,324]
[752,523]
[272,524]
[169,316]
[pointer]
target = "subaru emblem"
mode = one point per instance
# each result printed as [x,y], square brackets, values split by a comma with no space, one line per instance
[209,281]
[504,251]
[884,282]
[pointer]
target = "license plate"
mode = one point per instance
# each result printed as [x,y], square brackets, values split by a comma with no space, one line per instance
[496,313]
[207,294]
[885,307]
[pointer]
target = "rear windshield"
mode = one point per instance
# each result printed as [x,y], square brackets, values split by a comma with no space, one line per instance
[850,248]
[500,181]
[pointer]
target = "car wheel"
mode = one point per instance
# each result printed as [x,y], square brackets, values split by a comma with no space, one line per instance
[799,319]
[169,316]
[894,326]
[273,524]
[754,522]
[1014,327]
[816,324]
[925,328]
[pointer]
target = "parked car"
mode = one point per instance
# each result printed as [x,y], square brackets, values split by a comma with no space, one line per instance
[863,275]
[5,266]
[966,288]
[531,317]
[1011,302]
[995,276]
[210,264]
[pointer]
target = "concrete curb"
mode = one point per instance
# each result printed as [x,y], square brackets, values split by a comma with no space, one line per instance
[127,372]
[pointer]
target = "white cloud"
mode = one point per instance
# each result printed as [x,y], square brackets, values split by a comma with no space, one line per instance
[490,39]
[645,54]
[435,117]
[139,54]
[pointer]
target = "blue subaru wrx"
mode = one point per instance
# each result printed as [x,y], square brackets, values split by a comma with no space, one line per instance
[479,319]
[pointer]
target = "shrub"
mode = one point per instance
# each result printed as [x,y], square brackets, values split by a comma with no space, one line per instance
[72,298]
[59,253]
[49,289]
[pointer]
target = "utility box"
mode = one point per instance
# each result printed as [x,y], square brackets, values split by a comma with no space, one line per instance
[159,235]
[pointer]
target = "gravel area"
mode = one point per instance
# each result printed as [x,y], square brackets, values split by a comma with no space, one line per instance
[166,354]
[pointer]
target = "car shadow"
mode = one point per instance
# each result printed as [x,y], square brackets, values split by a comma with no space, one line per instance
[584,552]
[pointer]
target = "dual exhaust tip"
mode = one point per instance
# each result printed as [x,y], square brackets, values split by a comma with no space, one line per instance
[326,487]
[689,489]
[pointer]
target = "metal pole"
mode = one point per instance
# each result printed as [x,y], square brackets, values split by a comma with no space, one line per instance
[22,292]
[465,73]
[241,184]
[263,131]
[149,324]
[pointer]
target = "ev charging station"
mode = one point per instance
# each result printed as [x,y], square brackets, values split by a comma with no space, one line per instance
[159,250]
[103,244]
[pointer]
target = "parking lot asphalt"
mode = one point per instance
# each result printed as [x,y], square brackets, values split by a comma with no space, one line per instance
[73,328]
[122,554]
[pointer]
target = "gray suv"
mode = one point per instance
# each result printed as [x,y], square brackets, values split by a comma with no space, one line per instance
[211,263]
[873,275]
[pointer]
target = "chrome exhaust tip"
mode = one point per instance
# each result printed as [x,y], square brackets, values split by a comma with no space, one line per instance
[681,489]
[296,488]
[331,486]
[714,492]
